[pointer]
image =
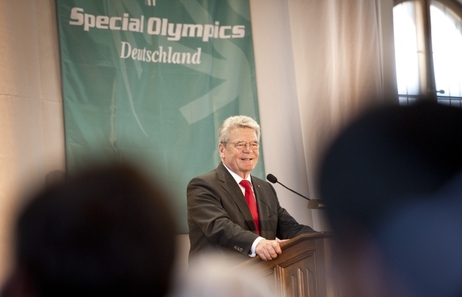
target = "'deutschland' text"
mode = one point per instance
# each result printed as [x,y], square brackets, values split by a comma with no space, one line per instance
[162,55]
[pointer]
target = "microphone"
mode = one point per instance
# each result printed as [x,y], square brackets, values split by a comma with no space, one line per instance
[312,204]
[274,180]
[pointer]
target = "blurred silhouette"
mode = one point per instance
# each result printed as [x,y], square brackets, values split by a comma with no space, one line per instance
[392,185]
[212,275]
[106,231]
[54,176]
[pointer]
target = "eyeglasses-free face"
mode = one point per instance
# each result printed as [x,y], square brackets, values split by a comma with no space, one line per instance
[240,153]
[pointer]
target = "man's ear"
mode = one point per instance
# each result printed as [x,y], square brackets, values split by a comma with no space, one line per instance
[221,148]
[19,284]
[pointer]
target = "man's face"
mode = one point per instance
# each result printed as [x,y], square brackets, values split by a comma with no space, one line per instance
[240,160]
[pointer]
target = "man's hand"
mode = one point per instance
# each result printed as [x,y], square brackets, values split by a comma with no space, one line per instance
[268,249]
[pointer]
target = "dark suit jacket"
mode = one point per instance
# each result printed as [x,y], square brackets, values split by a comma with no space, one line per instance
[220,220]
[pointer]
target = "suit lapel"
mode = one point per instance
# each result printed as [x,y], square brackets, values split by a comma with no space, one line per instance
[235,193]
[263,208]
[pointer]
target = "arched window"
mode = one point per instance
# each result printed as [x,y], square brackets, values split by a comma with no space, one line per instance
[428,50]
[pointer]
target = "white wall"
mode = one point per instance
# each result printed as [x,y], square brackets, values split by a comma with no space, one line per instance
[31,125]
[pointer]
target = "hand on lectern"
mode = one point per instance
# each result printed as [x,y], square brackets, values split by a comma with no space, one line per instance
[268,249]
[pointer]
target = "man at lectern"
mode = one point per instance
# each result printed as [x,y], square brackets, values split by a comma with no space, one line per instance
[231,210]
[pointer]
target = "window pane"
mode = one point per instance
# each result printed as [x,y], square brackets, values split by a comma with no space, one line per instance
[447,52]
[406,53]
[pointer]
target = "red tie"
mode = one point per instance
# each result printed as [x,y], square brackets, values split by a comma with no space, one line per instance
[252,202]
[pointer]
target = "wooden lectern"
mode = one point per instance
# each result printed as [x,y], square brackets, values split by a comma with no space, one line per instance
[302,268]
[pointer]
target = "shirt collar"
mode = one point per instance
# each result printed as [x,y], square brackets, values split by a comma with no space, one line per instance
[236,177]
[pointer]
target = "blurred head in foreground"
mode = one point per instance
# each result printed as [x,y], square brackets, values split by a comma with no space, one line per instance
[392,183]
[212,275]
[106,231]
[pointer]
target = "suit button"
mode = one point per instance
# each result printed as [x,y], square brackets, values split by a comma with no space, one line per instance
[238,248]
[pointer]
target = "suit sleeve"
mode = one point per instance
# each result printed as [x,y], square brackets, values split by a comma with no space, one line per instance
[215,218]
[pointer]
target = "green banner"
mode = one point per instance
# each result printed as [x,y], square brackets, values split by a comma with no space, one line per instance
[151,81]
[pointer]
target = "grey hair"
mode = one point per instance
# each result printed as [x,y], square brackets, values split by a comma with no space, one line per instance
[235,122]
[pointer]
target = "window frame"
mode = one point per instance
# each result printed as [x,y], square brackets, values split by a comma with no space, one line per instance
[427,75]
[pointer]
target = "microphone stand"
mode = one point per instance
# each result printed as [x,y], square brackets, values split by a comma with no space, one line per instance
[312,203]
